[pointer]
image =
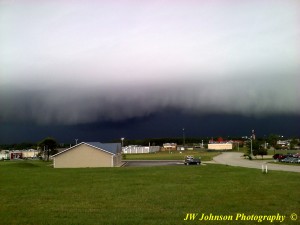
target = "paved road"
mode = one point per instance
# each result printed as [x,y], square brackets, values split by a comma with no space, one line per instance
[139,163]
[237,159]
[227,158]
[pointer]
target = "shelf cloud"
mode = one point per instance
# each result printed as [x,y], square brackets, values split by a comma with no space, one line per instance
[69,62]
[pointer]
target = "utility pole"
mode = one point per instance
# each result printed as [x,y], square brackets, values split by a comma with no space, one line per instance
[183,137]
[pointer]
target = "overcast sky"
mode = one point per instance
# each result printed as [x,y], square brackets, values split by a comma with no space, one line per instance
[76,62]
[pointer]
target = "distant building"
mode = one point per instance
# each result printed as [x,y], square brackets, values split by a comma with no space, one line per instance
[220,146]
[169,147]
[283,143]
[30,154]
[4,155]
[135,149]
[16,154]
[219,140]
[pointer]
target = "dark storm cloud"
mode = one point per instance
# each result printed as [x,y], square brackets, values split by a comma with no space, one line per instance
[74,106]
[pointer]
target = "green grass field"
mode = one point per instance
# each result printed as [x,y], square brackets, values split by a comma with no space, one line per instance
[172,155]
[284,152]
[32,192]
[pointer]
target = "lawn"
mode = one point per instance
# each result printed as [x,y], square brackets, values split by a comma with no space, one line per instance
[172,155]
[32,192]
[284,152]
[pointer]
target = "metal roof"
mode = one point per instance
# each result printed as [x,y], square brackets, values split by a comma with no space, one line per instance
[109,147]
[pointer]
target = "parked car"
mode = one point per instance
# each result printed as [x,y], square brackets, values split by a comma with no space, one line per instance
[279,157]
[190,160]
[276,156]
[295,160]
[287,159]
[297,155]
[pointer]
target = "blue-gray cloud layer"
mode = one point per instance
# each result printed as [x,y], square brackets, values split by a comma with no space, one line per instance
[80,62]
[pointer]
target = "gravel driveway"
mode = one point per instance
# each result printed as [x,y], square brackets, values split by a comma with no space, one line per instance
[237,159]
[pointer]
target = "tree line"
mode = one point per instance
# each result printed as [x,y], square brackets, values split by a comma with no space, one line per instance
[271,141]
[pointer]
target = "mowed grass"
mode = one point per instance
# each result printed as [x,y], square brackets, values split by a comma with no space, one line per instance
[172,155]
[32,192]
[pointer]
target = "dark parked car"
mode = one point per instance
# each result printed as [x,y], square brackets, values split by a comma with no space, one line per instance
[190,160]
[279,157]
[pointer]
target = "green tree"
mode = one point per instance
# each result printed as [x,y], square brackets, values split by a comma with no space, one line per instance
[257,148]
[272,140]
[49,146]
[262,152]
[294,142]
[254,145]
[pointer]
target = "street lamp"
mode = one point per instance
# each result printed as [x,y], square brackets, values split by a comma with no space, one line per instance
[251,147]
[122,140]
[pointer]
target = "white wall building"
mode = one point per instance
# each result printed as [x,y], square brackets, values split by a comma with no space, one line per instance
[4,154]
[135,149]
[220,146]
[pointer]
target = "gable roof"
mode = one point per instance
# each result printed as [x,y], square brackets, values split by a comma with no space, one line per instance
[111,148]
